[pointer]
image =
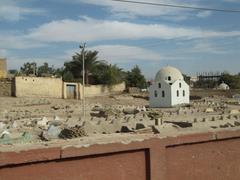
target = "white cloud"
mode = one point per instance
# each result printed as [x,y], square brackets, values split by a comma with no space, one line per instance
[120,53]
[3,53]
[207,47]
[11,11]
[121,9]
[204,14]
[88,29]
[124,53]
[17,41]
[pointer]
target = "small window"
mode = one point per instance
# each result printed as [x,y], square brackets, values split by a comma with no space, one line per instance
[180,85]
[159,85]
[155,93]
[163,93]
[169,78]
[177,93]
[183,93]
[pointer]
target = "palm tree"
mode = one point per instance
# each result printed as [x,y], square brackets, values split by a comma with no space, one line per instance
[91,62]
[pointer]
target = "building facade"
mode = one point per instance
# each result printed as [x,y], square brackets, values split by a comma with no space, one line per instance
[3,68]
[169,89]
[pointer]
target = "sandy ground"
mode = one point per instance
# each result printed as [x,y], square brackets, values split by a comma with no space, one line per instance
[20,115]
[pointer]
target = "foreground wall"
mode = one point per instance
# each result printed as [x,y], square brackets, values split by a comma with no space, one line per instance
[93,90]
[38,87]
[210,156]
[96,90]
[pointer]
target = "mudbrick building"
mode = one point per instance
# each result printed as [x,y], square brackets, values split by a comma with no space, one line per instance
[3,68]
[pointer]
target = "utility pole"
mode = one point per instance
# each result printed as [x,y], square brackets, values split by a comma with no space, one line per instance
[83,75]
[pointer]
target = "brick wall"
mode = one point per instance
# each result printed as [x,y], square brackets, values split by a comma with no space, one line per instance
[6,87]
[207,156]
[3,68]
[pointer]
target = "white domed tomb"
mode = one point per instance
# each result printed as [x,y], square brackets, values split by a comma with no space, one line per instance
[169,89]
[223,86]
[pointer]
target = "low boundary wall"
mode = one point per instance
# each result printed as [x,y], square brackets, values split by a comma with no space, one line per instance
[214,156]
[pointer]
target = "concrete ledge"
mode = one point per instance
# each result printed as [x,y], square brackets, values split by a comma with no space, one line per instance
[190,138]
[156,157]
[29,156]
[228,134]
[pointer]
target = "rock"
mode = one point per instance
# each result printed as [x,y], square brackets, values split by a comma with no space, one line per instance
[53,132]
[130,111]
[69,133]
[2,126]
[5,139]
[26,137]
[140,126]
[44,136]
[234,111]
[144,130]
[226,125]
[154,115]
[57,118]
[15,124]
[236,123]
[155,129]
[55,123]
[4,133]
[43,122]
[180,124]
[97,108]
[125,129]
[56,107]
[209,110]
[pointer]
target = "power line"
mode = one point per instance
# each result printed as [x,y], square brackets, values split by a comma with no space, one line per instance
[180,6]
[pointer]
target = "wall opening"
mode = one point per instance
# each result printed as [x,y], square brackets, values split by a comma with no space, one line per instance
[71,91]
[163,93]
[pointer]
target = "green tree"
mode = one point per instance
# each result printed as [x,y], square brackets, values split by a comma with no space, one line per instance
[134,78]
[68,76]
[45,69]
[29,68]
[107,74]
[232,80]
[75,66]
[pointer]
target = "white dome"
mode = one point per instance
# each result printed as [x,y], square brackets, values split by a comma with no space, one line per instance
[169,74]
[223,86]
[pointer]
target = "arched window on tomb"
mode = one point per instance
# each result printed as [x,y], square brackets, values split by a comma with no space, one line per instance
[155,93]
[169,78]
[180,85]
[163,94]
[183,93]
[159,85]
[177,93]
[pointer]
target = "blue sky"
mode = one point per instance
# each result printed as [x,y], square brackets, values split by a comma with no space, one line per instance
[124,34]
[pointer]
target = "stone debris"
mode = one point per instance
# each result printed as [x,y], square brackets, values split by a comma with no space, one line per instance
[2,126]
[209,110]
[43,122]
[53,132]
[180,124]
[130,110]
[144,130]
[234,111]
[65,119]
[73,132]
